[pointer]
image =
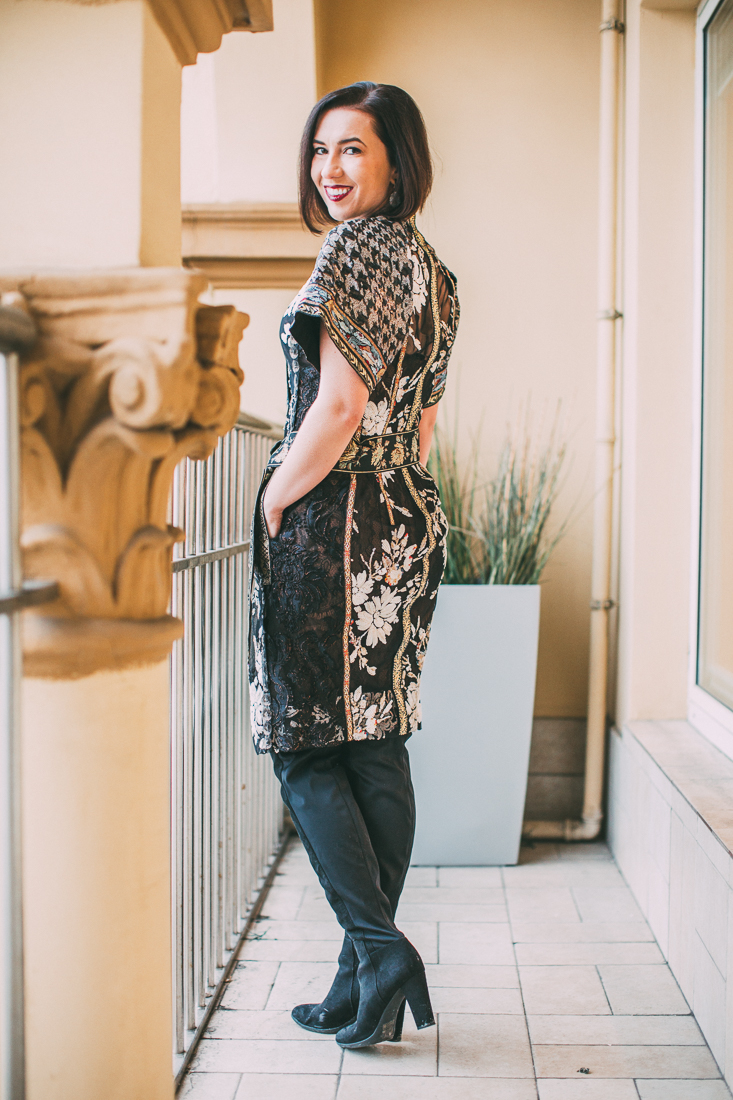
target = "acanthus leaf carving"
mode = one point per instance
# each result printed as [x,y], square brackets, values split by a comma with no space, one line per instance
[130,375]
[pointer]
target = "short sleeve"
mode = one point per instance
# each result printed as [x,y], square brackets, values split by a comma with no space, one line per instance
[361,288]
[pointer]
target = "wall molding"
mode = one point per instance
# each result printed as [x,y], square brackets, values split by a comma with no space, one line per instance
[254,273]
[198,26]
[249,245]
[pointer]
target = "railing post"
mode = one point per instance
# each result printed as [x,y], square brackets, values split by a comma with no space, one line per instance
[16,330]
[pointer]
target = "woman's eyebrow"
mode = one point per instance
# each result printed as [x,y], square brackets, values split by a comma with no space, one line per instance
[344,141]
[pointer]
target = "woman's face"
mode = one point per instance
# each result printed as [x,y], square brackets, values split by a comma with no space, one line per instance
[350,165]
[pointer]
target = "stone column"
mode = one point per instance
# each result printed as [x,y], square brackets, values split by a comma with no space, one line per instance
[130,374]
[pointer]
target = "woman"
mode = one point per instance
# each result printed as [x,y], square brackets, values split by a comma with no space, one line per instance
[349,542]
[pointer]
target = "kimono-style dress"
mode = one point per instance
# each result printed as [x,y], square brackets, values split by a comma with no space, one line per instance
[342,598]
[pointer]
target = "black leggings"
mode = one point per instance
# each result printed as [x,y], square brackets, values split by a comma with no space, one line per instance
[354,808]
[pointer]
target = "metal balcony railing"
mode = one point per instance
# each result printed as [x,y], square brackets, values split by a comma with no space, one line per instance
[17,331]
[227,813]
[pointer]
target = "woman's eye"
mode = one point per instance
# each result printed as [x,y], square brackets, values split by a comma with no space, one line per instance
[319,151]
[352,149]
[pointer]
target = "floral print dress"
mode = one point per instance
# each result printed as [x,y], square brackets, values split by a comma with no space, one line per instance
[342,599]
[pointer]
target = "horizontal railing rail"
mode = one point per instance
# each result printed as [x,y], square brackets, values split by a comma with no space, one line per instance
[227,821]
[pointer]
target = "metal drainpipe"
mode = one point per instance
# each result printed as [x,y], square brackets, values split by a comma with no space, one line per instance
[590,824]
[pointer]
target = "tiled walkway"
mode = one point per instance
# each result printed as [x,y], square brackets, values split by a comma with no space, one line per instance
[545,978]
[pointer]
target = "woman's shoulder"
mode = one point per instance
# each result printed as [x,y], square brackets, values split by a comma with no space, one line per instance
[366,258]
[364,241]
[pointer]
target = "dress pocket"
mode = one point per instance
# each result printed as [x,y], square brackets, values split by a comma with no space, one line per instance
[260,535]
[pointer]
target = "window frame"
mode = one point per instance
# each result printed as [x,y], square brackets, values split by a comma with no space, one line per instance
[706,713]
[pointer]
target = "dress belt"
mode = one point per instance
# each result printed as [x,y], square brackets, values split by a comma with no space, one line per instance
[372,454]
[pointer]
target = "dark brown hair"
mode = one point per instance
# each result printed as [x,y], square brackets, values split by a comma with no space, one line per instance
[398,124]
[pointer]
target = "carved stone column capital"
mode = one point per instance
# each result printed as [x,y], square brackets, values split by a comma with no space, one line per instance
[130,375]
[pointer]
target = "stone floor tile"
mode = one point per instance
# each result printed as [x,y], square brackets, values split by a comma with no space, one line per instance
[591,954]
[625,1061]
[279,1086]
[415,1056]
[548,903]
[209,1086]
[296,950]
[298,983]
[563,990]
[283,902]
[424,935]
[580,942]
[473,877]
[585,932]
[463,977]
[298,930]
[587,1090]
[250,985]
[642,991]
[591,850]
[597,903]
[453,895]
[488,944]
[296,873]
[543,851]
[622,1030]
[422,876]
[563,873]
[437,1088]
[238,1024]
[483,1046]
[445,911]
[267,1056]
[477,999]
[683,1090]
[315,910]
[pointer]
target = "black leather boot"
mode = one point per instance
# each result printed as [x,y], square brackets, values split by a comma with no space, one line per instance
[388,976]
[340,1005]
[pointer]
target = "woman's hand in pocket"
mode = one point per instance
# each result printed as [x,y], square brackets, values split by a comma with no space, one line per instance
[273,518]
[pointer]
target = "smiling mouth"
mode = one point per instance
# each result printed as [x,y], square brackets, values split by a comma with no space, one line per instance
[336,194]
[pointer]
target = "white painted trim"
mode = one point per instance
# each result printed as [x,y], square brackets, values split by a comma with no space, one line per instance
[704,712]
[711,718]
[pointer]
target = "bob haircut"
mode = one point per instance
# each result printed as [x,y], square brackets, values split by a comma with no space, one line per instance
[399,126]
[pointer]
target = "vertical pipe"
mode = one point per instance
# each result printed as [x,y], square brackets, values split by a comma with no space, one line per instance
[12,1048]
[608,315]
[589,826]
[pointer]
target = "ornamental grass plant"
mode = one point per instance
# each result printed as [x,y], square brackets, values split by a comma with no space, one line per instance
[498,530]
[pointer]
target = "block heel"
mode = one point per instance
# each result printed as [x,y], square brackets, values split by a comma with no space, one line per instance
[399,1024]
[418,998]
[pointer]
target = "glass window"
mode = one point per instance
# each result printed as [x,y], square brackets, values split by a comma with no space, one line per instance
[715,625]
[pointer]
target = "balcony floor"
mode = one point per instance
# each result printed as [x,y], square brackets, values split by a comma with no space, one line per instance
[537,973]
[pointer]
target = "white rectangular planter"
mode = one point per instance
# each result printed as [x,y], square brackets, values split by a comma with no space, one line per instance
[470,760]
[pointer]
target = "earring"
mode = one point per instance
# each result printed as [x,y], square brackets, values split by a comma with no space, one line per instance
[394,198]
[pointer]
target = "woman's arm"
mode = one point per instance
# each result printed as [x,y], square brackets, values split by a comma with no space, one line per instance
[427,427]
[323,436]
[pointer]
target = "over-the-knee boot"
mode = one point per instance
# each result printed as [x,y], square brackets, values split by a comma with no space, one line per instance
[379,777]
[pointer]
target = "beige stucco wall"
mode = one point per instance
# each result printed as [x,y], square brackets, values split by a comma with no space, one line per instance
[510,96]
[658,385]
[242,115]
[243,111]
[89,102]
